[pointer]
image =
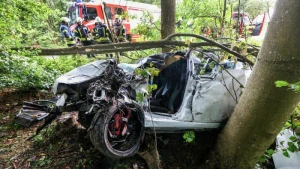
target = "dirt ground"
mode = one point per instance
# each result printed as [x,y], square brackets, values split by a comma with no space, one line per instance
[65,145]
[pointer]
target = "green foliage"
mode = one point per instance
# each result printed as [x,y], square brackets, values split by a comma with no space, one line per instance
[189,136]
[286,153]
[35,72]
[266,157]
[147,72]
[294,86]
[38,140]
[26,23]
[149,29]
[139,97]
[281,84]
[29,23]
[43,161]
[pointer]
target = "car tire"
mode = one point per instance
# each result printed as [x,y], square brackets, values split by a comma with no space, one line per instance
[100,131]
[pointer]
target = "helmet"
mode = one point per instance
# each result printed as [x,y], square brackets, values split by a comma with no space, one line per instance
[179,19]
[65,19]
[118,20]
[97,20]
[79,20]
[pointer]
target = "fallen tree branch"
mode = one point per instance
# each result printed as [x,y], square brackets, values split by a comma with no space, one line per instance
[214,44]
[132,46]
[115,47]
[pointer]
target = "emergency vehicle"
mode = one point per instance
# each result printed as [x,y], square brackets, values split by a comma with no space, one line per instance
[243,19]
[108,10]
[260,24]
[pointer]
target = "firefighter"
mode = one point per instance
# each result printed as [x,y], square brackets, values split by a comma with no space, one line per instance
[66,32]
[82,33]
[119,30]
[101,34]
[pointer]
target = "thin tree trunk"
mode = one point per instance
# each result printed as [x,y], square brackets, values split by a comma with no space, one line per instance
[263,109]
[150,153]
[167,19]
[238,24]
[223,19]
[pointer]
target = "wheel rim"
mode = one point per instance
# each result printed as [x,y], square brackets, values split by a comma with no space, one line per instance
[124,130]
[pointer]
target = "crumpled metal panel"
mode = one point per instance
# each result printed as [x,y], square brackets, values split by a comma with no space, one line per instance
[128,68]
[280,161]
[28,117]
[212,101]
[81,74]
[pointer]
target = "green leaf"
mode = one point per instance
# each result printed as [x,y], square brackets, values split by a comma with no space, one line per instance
[189,136]
[154,87]
[281,84]
[270,151]
[149,88]
[202,72]
[151,64]
[285,153]
[263,159]
[292,147]
[139,97]
[293,138]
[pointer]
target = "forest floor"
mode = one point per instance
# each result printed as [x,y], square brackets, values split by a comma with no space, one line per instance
[64,143]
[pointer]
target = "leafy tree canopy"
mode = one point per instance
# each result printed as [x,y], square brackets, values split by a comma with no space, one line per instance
[26,23]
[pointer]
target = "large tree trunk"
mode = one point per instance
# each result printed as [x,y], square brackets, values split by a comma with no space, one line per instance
[167,19]
[263,109]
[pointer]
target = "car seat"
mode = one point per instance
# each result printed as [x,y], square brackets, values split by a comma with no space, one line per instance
[170,91]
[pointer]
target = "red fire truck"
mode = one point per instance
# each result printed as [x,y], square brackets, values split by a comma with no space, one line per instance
[108,11]
[243,19]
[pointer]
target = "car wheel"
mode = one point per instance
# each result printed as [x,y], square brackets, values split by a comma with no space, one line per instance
[119,131]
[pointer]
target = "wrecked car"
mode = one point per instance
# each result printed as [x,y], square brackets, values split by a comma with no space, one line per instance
[194,90]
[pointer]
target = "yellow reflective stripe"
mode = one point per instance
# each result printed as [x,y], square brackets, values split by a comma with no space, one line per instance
[71,42]
[104,33]
[85,39]
[80,33]
[104,38]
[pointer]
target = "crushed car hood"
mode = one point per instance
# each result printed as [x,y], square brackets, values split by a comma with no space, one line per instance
[81,74]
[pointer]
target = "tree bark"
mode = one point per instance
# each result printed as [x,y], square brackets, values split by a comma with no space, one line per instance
[167,19]
[150,153]
[263,109]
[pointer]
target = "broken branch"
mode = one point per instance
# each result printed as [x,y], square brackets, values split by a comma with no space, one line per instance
[132,46]
[213,43]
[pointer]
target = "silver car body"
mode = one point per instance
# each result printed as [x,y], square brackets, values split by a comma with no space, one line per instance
[208,99]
